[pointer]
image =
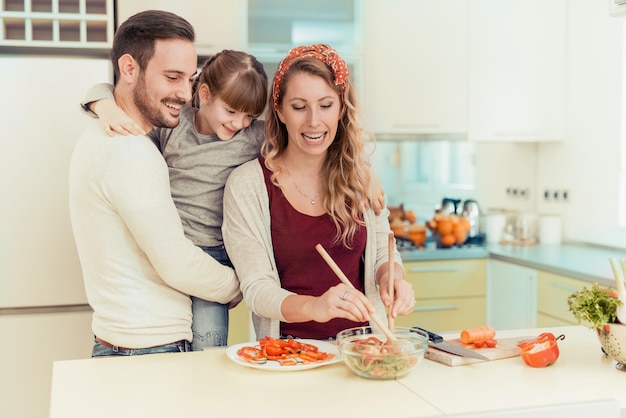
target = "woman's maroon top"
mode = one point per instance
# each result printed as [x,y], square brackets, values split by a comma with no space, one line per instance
[301,268]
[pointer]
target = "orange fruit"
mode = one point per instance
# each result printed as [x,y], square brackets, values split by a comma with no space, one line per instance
[410,216]
[447,240]
[460,235]
[417,237]
[444,226]
[464,222]
[417,234]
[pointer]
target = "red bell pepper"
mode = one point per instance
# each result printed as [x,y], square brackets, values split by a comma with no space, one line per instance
[541,351]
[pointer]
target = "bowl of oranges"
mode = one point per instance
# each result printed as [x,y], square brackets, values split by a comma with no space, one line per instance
[449,230]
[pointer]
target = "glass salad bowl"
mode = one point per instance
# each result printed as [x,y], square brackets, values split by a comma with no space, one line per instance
[369,354]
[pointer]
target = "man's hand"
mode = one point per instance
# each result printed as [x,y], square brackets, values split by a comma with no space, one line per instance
[114,120]
[376,194]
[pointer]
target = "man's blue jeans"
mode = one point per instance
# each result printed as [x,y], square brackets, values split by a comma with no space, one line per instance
[100,350]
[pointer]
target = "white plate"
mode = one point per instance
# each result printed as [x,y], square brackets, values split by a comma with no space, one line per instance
[324,346]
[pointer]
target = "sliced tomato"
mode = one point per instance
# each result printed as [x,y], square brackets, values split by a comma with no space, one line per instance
[491,343]
[274,350]
[369,341]
[479,343]
[294,344]
[308,347]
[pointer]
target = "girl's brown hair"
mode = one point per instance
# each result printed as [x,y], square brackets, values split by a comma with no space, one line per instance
[235,77]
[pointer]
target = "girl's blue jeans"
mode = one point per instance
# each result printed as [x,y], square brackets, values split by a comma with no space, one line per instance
[210,319]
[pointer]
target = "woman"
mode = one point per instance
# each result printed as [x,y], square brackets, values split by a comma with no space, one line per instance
[309,186]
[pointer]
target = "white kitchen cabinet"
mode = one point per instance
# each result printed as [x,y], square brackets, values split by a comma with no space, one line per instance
[449,294]
[511,295]
[553,291]
[276,26]
[84,24]
[218,25]
[31,342]
[517,72]
[415,66]
[524,297]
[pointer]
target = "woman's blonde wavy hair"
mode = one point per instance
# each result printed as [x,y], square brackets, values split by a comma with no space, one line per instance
[345,176]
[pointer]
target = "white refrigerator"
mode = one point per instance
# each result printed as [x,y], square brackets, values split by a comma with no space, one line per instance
[44,315]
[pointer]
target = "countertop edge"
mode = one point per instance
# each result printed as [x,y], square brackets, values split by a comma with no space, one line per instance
[575,260]
[552,269]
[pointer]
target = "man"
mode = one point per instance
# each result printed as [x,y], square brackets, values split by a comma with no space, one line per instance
[138,267]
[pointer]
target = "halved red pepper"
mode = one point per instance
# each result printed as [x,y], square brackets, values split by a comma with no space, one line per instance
[541,351]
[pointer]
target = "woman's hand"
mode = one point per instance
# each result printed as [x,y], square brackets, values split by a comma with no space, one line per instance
[343,302]
[404,295]
[339,301]
[114,120]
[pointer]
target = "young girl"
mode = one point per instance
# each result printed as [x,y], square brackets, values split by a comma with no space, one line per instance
[216,133]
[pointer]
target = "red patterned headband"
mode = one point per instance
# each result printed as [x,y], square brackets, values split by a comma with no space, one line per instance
[321,52]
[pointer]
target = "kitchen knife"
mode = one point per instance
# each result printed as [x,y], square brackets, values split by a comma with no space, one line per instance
[437,341]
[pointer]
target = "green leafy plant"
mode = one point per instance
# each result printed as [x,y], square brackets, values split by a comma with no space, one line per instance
[594,307]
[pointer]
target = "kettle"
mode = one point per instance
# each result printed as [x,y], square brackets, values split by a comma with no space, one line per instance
[471,211]
[449,206]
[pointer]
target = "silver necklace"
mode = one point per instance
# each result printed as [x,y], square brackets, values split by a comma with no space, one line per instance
[312,199]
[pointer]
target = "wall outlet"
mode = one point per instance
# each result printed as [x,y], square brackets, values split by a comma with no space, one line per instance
[556,195]
[518,192]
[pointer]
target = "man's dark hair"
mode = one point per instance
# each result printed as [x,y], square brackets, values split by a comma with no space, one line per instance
[137,35]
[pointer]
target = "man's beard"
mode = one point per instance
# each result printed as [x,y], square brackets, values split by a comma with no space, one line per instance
[151,113]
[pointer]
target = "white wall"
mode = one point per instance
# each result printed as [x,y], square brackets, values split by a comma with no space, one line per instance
[501,165]
[587,162]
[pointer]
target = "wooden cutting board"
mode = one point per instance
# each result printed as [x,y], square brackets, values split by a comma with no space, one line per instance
[506,348]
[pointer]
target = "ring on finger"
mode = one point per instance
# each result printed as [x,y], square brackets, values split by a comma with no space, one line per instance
[345,296]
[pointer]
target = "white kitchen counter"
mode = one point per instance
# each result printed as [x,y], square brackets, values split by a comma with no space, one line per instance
[207,383]
[584,262]
[580,261]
